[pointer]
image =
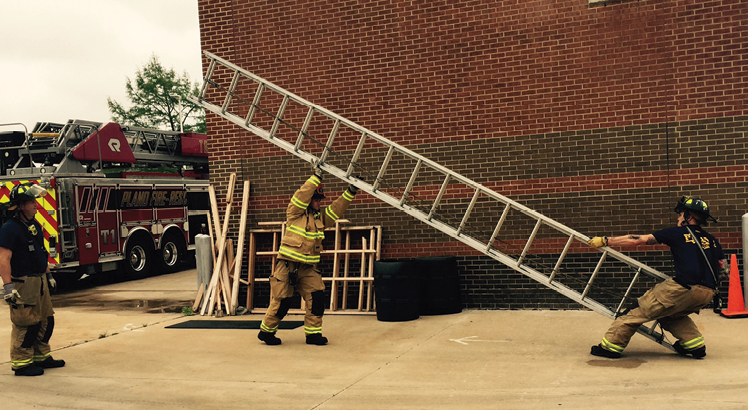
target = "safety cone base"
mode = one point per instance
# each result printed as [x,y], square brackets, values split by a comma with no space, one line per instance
[733,315]
[736,306]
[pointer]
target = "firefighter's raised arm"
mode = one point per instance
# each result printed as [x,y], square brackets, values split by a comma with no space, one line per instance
[302,197]
[338,207]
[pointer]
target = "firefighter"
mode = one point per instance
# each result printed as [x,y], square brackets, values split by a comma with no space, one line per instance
[299,255]
[698,270]
[26,284]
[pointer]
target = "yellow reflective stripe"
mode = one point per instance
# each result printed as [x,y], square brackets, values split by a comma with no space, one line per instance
[611,346]
[693,344]
[348,195]
[298,256]
[41,357]
[314,180]
[313,330]
[306,234]
[298,203]
[265,328]
[331,214]
[21,363]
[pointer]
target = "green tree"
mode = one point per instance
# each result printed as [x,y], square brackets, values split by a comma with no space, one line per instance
[159,100]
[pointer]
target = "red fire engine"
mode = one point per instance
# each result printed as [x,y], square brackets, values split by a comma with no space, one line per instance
[118,197]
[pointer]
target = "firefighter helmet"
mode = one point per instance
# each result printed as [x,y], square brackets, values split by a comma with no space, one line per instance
[319,192]
[26,192]
[695,206]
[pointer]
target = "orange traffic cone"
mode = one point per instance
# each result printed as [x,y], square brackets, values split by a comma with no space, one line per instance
[736,305]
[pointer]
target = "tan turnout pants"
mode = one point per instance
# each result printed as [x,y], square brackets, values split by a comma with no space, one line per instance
[309,281]
[30,318]
[670,304]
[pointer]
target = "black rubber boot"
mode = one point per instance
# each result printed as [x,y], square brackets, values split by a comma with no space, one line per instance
[29,371]
[269,338]
[698,353]
[602,352]
[50,363]
[316,339]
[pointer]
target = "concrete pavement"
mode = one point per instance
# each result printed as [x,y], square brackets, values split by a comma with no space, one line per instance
[120,356]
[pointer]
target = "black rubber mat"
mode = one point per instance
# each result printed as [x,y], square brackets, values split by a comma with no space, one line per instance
[230,324]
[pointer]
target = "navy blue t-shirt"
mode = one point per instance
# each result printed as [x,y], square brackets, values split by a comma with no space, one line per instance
[15,236]
[689,264]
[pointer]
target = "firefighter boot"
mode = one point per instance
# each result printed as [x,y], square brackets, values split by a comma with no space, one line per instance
[698,353]
[316,339]
[50,363]
[269,338]
[29,371]
[602,352]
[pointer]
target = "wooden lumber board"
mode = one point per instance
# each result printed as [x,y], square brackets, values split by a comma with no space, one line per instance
[240,246]
[209,302]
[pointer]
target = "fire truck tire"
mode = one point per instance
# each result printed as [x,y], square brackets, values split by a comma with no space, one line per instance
[138,256]
[170,253]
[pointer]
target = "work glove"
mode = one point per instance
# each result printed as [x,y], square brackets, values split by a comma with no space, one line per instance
[598,241]
[353,189]
[10,294]
[316,169]
[52,283]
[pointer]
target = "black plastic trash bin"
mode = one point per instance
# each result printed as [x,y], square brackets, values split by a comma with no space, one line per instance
[396,290]
[439,289]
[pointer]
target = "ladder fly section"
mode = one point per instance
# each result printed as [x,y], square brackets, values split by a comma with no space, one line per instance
[490,223]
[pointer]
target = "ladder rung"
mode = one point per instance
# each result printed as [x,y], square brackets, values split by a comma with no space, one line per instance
[376,185]
[560,259]
[279,116]
[528,243]
[256,102]
[410,185]
[627,292]
[498,226]
[357,153]
[329,143]
[593,275]
[439,197]
[468,212]
[303,130]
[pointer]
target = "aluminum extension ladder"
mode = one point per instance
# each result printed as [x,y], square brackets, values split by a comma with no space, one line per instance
[240,96]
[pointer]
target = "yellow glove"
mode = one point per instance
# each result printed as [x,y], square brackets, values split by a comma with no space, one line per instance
[598,241]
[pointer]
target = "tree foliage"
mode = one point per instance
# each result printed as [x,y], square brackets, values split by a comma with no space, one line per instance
[158,100]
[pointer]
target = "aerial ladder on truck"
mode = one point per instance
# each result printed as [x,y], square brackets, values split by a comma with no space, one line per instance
[433,194]
[90,171]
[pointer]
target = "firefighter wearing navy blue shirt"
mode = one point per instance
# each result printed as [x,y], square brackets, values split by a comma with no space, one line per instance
[670,302]
[299,255]
[26,284]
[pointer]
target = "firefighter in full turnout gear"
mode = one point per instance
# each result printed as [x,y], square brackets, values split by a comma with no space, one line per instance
[26,284]
[299,255]
[699,264]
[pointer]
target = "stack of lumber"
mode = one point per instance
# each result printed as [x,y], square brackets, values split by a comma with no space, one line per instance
[222,291]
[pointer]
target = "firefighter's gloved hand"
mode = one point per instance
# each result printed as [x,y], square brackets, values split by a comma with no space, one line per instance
[52,283]
[353,189]
[10,294]
[598,241]
[316,169]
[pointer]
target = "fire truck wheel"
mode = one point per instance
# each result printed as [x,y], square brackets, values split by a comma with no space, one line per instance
[170,253]
[137,258]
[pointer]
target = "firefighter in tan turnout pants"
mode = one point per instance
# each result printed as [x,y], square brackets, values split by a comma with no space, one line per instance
[299,255]
[26,284]
[699,265]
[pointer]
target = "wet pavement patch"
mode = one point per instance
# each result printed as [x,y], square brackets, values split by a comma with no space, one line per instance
[620,363]
[142,305]
[230,324]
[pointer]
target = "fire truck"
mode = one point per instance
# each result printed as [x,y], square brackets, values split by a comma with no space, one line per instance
[119,198]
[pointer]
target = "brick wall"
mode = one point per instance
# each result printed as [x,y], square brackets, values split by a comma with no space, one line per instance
[599,117]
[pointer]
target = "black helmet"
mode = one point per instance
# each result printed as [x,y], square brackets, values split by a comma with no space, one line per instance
[26,192]
[696,206]
[319,193]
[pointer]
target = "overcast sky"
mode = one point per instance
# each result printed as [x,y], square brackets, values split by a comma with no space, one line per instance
[61,59]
